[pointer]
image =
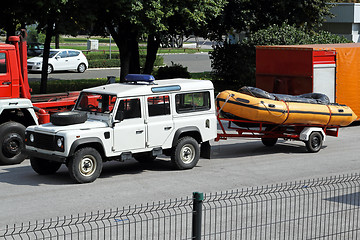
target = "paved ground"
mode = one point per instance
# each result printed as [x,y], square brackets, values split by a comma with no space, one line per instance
[197,62]
[236,164]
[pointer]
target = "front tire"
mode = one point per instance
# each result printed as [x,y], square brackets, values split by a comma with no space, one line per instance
[12,135]
[315,142]
[86,165]
[44,166]
[186,153]
[50,69]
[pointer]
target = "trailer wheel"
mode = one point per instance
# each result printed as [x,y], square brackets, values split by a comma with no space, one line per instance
[43,166]
[314,143]
[269,142]
[12,135]
[186,153]
[68,118]
[86,165]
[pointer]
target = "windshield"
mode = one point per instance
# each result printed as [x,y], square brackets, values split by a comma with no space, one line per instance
[51,54]
[92,102]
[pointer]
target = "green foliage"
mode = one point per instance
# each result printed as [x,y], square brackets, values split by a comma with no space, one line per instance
[173,71]
[235,63]
[102,60]
[59,86]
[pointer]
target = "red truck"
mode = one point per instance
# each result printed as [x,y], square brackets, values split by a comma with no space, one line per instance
[18,109]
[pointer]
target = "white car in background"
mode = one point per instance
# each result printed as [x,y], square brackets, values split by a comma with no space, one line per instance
[60,60]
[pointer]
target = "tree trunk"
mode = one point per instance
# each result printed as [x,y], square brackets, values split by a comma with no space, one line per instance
[153,45]
[44,74]
[127,43]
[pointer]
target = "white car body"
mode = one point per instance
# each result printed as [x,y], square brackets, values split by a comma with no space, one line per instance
[60,60]
[167,112]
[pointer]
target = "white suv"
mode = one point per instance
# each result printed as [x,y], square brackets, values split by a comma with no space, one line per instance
[140,118]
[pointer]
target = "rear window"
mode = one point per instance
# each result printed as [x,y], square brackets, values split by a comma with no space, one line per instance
[190,102]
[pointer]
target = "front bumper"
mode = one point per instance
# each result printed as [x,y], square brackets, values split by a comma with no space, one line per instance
[52,157]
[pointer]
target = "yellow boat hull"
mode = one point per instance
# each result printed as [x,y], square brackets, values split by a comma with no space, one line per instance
[251,108]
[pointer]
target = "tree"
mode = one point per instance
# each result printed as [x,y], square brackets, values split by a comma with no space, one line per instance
[58,17]
[127,20]
[250,16]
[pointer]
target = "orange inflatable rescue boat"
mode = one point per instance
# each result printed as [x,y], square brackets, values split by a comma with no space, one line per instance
[253,104]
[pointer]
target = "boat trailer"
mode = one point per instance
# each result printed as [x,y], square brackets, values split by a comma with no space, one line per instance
[312,135]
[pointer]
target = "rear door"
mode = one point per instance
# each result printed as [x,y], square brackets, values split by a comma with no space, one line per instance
[159,121]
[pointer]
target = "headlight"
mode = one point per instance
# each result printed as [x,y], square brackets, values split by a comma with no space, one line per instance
[31,138]
[38,63]
[59,142]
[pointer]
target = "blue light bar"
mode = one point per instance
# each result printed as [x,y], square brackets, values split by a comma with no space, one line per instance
[139,78]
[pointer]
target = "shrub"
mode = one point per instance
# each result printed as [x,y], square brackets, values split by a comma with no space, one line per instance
[235,63]
[173,71]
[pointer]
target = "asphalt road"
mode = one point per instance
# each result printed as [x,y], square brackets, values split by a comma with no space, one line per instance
[197,62]
[236,164]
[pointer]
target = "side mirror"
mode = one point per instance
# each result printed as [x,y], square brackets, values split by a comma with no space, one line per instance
[119,116]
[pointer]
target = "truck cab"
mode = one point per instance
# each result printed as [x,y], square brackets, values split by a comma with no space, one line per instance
[139,119]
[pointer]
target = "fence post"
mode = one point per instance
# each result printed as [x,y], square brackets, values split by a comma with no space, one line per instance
[197,215]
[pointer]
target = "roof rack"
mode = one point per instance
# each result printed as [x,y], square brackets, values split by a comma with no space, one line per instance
[135,78]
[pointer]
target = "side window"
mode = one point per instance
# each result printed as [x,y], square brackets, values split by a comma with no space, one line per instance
[2,63]
[129,108]
[158,106]
[73,53]
[189,102]
[63,54]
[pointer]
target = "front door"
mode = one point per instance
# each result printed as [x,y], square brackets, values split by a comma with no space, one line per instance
[159,122]
[129,133]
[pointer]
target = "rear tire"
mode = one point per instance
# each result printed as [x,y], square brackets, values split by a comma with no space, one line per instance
[81,68]
[12,135]
[86,165]
[44,166]
[315,142]
[186,153]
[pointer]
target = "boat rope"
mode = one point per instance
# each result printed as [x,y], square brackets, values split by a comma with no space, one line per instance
[226,100]
[329,116]
[269,110]
[288,112]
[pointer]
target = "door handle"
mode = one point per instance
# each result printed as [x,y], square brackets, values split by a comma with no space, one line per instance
[139,131]
[167,128]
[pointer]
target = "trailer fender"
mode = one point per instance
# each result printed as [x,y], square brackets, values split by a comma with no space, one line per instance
[305,133]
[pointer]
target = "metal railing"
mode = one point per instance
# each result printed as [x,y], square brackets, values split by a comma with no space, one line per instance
[326,208]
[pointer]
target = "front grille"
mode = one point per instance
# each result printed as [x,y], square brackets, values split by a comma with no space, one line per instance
[42,141]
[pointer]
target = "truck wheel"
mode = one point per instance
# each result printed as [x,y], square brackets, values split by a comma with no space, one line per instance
[12,135]
[186,153]
[81,68]
[86,165]
[43,166]
[314,143]
[269,142]
[50,69]
[68,118]
[144,157]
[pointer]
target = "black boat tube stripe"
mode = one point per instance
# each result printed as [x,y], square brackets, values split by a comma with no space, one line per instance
[282,111]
